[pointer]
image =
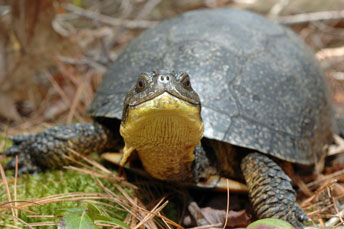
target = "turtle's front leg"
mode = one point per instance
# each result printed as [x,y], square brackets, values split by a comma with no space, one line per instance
[270,190]
[46,149]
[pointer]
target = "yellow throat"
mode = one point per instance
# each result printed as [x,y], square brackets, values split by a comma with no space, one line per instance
[164,131]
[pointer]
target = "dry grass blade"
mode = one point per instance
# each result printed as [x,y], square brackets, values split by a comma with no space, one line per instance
[164,220]
[138,212]
[324,205]
[147,9]
[41,216]
[307,202]
[107,173]
[122,202]
[91,162]
[3,143]
[227,207]
[130,24]
[8,226]
[6,206]
[338,148]
[335,220]
[17,219]
[15,188]
[208,226]
[141,210]
[311,17]
[75,102]
[150,215]
[339,216]
[76,162]
[73,196]
[302,185]
[60,91]
[326,178]
[4,179]
[329,53]
[58,88]
[43,224]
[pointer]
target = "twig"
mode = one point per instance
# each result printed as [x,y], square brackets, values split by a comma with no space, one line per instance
[310,17]
[15,188]
[337,76]
[326,178]
[338,148]
[302,186]
[43,224]
[157,208]
[85,61]
[92,162]
[147,9]
[9,226]
[4,179]
[60,91]
[75,102]
[130,24]
[334,220]
[278,7]
[330,53]
[227,208]
[20,220]
[208,226]
[197,214]
[340,216]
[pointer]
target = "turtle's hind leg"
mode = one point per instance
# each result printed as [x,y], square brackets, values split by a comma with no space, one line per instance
[270,190]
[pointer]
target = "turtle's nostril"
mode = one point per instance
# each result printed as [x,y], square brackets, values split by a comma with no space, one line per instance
[164,79]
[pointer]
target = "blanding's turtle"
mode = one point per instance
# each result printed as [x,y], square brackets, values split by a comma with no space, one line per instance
[264,99]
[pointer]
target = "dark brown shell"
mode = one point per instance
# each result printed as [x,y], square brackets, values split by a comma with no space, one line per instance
[260,86]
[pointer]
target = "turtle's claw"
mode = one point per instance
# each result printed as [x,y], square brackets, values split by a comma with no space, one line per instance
[20,142]
[23,146]
[25,164]
[11,165]
[47,149]
[301,215]
[20,138]
[12,151]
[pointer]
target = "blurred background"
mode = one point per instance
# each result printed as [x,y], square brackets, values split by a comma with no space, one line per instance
[54,53]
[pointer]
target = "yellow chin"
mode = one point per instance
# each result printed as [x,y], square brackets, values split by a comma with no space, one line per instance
[164,131]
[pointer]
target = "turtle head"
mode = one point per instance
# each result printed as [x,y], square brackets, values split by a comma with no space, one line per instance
[162,122]
[151,85]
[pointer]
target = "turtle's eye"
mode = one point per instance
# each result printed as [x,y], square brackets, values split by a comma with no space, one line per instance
[141,84]
[186,81]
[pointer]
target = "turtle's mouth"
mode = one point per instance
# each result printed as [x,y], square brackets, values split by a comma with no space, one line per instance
[163,104]
[164,132]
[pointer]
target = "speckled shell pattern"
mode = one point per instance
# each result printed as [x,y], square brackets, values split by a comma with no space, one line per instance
[260,86]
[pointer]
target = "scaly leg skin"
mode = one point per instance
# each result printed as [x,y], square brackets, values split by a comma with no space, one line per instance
[270,190]
[46,149]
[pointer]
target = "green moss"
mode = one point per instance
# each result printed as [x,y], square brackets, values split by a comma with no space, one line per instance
[4,140]
[31,187]
[5,143]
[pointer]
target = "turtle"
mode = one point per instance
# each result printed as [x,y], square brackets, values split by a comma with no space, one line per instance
[211,91]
